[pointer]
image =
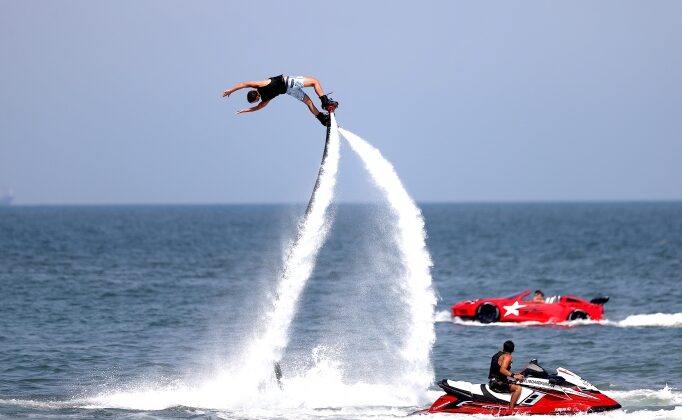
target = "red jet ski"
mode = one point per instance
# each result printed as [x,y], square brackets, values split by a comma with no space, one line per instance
[542,393]
[515,309]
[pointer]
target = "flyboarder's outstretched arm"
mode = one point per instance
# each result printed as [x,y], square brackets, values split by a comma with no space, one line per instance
[243,85]
[254,108]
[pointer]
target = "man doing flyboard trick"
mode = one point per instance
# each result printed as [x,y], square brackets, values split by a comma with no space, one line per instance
[266,90]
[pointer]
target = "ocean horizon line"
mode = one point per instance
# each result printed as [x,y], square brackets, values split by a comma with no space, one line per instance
[350,202]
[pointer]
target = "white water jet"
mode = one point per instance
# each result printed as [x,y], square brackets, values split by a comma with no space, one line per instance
[246,384]
[299,262]
[416,282]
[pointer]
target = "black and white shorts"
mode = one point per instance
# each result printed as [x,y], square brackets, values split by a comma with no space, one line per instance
[499,386]
[295,87]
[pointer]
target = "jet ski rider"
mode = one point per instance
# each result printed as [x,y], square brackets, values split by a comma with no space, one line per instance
[500,374]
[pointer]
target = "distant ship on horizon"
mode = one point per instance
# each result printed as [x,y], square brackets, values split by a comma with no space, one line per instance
[7,199]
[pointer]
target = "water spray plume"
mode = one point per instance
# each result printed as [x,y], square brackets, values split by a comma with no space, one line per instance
[416,282]
[299,262]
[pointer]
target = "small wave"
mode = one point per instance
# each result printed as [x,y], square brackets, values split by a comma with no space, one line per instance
[649,397]
[459,321]
[34,403]
[442,316]
[647,414]
[672,320]
[471,323]
[652,320]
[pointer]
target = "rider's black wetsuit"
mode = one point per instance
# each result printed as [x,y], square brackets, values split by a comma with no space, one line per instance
[277,86]
[497,381]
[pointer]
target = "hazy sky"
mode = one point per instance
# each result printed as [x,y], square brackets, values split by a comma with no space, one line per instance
[120,101]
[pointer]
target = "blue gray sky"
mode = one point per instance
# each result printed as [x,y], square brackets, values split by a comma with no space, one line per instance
[114,102]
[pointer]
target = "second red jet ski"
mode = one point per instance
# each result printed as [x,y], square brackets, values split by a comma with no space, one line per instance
[515,309]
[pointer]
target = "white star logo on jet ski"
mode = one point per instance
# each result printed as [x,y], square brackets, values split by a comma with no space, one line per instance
[513,309]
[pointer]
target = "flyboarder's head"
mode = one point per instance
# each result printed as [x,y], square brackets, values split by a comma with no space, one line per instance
[508,346]
[252,96]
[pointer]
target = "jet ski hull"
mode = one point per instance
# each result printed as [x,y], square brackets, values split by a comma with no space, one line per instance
[451,404]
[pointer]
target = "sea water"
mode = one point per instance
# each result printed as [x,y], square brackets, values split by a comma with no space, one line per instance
[137,311]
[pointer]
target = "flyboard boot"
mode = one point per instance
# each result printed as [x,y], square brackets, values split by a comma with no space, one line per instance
[328,104]
[323,118]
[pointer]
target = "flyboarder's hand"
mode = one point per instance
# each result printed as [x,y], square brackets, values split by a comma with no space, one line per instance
[226,93]
[242,110]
